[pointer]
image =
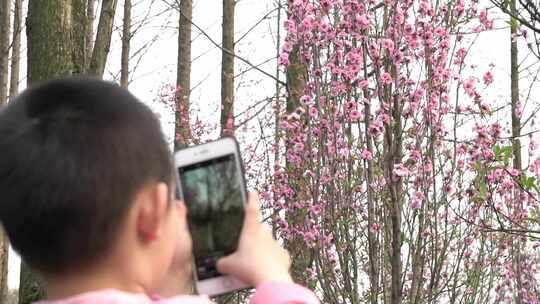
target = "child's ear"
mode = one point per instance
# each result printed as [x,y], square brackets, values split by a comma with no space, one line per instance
[153,204]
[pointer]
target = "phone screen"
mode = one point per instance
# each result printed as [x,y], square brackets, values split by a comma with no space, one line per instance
[212,191]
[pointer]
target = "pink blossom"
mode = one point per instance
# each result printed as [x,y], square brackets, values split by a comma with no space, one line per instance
[229,124]
[283,59]
[398,17]
[513,172]
[401,170]
[488,24]
[386,78]
[287,47]
[414,205]
[313,112]
[388,44]
[354,115]
[375,227]
[469,86]
[533,145]
[316,209]
[425,8]
[375,127]
[325,178]
[461,53]
[440,32]
[366,154]
[445,43]
[416,155]
[363,83]
[344,152]
[282,223]
[363,22]
[417,199]
[484,107]
[488,78]
[309,236]
[305,99]
[519,109]
[290,25]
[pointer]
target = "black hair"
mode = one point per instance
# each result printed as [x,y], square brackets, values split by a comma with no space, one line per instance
[74,153]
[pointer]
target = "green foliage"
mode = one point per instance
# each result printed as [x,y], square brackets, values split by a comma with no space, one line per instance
[503,153]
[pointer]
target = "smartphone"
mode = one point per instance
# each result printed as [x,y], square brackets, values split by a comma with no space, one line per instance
[212,185]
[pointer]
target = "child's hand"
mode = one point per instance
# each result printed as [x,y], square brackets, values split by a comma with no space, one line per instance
[259,257]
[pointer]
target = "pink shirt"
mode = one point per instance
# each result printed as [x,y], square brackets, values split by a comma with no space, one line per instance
[269,293]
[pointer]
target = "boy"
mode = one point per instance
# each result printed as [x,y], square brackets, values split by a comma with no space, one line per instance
[86,187]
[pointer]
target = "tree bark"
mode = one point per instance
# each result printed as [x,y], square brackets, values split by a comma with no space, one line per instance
[5,13]
[393,154]
[103,38]
[227,69]
[31,286]
[16,50]
[183,76]
[516,146]
[80,22]
[49,26]
[4,250]
[296,84]
[126,39]
[89,31]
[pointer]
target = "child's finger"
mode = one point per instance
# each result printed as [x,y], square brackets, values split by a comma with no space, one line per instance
[225,264]
[253,208]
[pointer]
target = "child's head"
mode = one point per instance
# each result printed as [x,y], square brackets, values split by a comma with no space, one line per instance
[85,169]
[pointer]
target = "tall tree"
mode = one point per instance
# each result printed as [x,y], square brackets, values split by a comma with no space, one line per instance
[296,85]
[527,14]
[227,69]
[79,37]
[50,43]
[16,49]
[126,40]
[89,30]
[516,144]
[183,78]
[14,82]
[4,250]
[103,38]
[5,13]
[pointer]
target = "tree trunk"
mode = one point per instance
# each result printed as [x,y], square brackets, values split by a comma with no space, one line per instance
[80,22]
[5,13]
[516,146]
[103,38]
[49,26]
[126,39]
[89,31]
[4,250]
[393,154]
[16,50]
[183,79]
[277,113]
[296,85]
[227,69]
[31,286]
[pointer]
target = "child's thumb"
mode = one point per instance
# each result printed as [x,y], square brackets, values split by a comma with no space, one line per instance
[226,264]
